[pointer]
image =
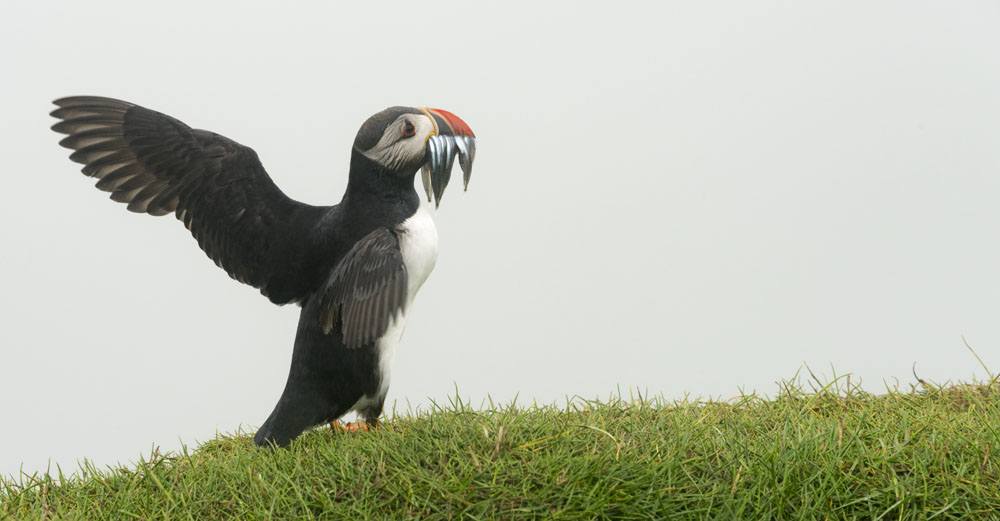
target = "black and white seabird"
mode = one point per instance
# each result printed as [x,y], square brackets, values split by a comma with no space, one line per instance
[354,267]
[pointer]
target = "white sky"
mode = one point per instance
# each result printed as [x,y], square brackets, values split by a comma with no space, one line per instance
[680,197]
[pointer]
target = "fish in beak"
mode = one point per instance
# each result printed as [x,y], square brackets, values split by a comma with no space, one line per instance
[452,137]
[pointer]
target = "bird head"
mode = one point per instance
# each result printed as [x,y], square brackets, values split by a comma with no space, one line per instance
[404,139]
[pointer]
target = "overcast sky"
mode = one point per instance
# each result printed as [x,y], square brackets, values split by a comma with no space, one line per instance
[679,197]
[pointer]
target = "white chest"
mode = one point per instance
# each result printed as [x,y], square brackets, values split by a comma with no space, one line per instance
[418,242]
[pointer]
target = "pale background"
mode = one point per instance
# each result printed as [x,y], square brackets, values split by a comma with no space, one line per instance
[676,197]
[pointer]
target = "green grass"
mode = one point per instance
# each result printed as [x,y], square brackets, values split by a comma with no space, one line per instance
[830,453]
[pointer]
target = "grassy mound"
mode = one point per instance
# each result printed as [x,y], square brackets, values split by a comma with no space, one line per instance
[831,453]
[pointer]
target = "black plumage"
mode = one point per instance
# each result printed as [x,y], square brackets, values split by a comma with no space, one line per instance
[343,264]
[366,289]
[217,187]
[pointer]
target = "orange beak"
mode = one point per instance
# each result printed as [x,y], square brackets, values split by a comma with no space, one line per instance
[450,124]
[453,137]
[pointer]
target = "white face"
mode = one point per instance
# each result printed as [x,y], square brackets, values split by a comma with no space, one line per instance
[404,142]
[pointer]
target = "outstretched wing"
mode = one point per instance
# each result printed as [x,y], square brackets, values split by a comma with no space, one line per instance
[366,289]
[217,187]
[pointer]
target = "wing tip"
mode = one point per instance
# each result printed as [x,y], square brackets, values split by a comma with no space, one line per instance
[69,101]
[68,106]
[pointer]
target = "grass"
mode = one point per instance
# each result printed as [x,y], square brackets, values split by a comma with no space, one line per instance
[834,452]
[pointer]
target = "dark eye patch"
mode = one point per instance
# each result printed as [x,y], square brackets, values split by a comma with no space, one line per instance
[408,129]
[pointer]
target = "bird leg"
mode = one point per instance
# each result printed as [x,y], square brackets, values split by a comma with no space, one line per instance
[338,426]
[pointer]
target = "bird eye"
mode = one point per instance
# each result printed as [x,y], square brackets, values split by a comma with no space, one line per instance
[408,129]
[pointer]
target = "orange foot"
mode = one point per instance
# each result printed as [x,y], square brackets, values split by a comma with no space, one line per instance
[337,426]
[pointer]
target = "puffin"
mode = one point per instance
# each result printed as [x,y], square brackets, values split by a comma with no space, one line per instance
[354,267]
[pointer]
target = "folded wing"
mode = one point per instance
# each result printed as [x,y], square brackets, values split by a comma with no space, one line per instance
[366,290]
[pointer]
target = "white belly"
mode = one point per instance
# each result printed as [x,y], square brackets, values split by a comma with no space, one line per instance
[418,242]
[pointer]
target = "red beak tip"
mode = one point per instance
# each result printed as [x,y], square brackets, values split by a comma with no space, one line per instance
[458,126]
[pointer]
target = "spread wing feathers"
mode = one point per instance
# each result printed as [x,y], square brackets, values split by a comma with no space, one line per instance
[366,290]
[158,165]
